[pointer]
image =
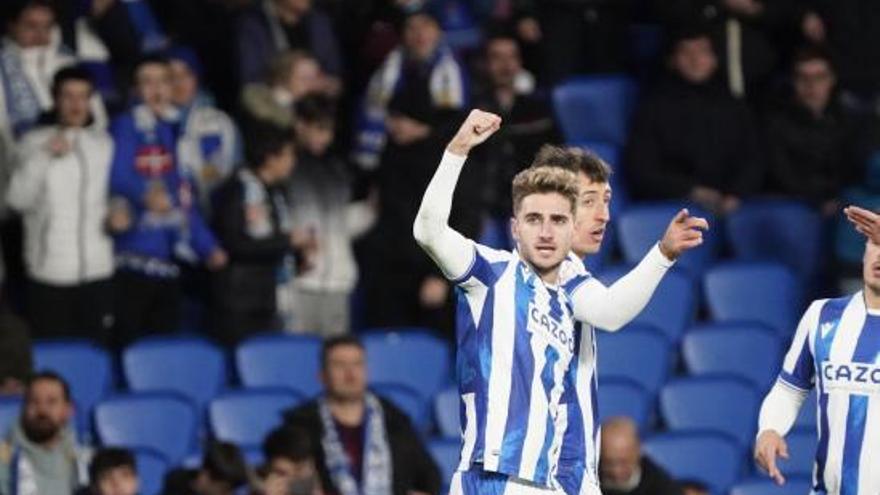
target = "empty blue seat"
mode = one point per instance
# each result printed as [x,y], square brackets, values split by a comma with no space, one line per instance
[748,350]
[722,404]
[164,421]
[86,367]
[712,458]
[638,352]
[784,231]
[642,225]
[151,469]
[802,443]
[673,306]
[280,360]
[794,485]
[446,412]
[416,358]
[764,292]
[621,397]
[595,108]
[447,454]
[190,366]
[10,410]
[246,416]
[807,415]
[408,400]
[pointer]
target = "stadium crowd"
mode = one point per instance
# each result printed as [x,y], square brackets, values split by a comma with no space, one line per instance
[236,167]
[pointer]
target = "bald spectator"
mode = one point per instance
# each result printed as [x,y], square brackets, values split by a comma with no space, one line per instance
[623,469]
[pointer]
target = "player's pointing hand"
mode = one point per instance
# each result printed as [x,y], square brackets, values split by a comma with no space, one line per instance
[476,129]
[684,232]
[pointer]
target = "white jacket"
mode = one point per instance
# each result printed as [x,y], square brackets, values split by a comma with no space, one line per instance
[64,203]
[209,149]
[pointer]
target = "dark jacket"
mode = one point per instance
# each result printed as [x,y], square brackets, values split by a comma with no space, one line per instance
[655,481]
[810,157]
[412,466]
[853,31]
[686,135]
[256,46]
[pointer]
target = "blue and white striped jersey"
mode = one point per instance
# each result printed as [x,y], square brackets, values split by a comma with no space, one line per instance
[837,349]
[516,340]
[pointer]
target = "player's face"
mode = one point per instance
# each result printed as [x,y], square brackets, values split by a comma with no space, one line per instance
[73,103]
[154,86]
[871,267]
[46,411]
[543,229]
[592,215]
[345,373]
[118,481]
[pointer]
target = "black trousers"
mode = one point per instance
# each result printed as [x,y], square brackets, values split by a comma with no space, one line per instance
[145,306]
[84,310]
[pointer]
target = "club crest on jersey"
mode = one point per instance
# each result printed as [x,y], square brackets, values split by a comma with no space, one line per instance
[558,334]
[860,378]
[825,328]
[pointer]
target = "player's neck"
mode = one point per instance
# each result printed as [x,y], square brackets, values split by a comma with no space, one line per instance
[549,277]
[872,299]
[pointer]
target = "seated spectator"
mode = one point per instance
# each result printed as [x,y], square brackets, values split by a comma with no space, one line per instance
[29,57]
[814,149]
[274,26]
[528,122]
[623,469]
[112,472]
[61,189]
[413,104]
[252,221]
[41,455]
[362,443]
[166,223]
[223,472]
[292,75]
[290,464]
[322,207]
[210,145]
[690,139]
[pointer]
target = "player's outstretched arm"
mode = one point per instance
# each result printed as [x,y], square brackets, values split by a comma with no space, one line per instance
[449,249]
[865,221]
[610,308]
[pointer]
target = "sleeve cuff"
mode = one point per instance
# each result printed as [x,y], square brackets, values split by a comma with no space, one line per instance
[657,257]
[453,159]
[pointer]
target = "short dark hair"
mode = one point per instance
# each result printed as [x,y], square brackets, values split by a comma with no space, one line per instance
[149,59]
[288,442]
[108,459]
[577,160]
[224,462]
[47,375]
[500,32]
[264,140]
[339,341]
[809,53]
[73,73]
[688,33]
[16,9]
[316,109]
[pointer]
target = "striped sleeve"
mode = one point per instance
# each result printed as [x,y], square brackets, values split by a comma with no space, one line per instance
[798,368]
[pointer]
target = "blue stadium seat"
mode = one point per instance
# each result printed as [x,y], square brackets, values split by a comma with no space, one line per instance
[638,352]
[408,400]
[723,404]
[190,366]
[783,231]
[621,397]
[802,443]
[794,485]
[151,469]
[164,421]
[86,367]
[807,415]
[672,307]
[642,225]
[446,412]
[280,360]
[246,416]
[417,358]
[767,293]
[748,350]
[595,108]
[712,458]
[447,454]
[10,409]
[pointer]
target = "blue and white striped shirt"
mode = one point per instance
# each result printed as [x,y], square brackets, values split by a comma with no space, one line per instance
[837,350]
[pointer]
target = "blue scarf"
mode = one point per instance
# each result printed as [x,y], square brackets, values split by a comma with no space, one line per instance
[22,106]
[376,471]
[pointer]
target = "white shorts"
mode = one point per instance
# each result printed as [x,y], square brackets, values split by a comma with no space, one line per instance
[479,482]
